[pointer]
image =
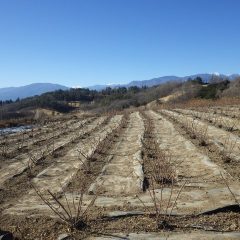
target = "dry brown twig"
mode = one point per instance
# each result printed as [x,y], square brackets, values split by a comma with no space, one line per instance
[162,212]
[161,171]
[4,147]
[226,150]
[229,189]
[75,216]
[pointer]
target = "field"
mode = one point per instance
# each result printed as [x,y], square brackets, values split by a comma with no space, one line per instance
[145,173]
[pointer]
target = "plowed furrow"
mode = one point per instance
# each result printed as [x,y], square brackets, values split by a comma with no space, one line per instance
[218,120]
[57,176]
[202,175]
[227,143]
[27,141]
[123,174]
[18,185]
[28,160]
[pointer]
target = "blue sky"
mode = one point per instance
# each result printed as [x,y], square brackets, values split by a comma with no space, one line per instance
[88,42]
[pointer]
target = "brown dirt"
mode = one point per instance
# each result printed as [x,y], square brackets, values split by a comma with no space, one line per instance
[43,227]
[47,228]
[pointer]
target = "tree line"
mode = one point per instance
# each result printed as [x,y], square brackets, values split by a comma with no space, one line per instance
[122,97]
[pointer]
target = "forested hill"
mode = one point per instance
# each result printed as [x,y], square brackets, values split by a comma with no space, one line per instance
[107,99]
[120,98]
[59,100]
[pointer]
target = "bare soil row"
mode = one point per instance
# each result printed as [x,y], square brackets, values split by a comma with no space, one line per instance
[226,143]
[145,174]
[220,121]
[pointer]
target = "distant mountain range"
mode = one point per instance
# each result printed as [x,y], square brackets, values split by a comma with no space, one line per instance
[39,88]
[28,90]
[206,77]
